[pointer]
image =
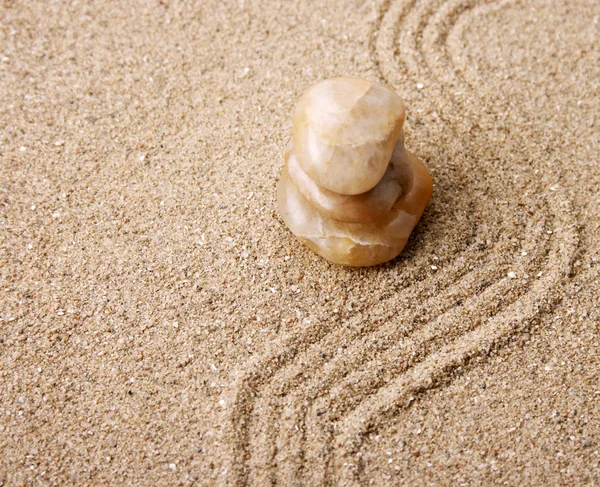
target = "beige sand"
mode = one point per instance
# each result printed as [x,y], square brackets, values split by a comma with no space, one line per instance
[161,327]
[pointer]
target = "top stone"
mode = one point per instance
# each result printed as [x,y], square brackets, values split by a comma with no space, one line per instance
[344,133]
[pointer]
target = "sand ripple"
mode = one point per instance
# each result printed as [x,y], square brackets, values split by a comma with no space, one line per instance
[302,411]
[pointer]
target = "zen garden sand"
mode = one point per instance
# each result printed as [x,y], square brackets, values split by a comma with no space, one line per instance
[161,326]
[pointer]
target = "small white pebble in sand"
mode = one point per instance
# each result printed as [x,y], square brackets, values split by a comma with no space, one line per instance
[222,403]
[512,275]
[175,325]
[549,232]
[539,274]
[420,86]
[33,207]
[172,466]
[434,268]
[524,253]
[56,214]
[22,148]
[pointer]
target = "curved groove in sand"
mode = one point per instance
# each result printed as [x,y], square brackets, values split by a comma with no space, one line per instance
[291,373]
[311,389]
[397,350]
[438,367]
[455,47]
[256,375]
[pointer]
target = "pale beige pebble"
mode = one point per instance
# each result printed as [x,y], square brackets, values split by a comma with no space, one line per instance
[345,130]
[343,243]
[364,207]
[355,244]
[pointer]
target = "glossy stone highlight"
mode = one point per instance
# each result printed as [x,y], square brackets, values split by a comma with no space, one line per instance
[344,131]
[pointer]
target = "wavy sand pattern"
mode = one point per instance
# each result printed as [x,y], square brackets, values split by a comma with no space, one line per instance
[300,413]
[160,326]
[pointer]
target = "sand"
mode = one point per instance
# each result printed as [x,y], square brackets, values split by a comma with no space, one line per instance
[159,324]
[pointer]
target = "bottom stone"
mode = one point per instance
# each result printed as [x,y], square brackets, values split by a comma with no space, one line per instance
[356,244]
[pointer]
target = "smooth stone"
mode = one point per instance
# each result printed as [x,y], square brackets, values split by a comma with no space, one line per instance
[344,133]
[364,207]
[349,189]
[358,243]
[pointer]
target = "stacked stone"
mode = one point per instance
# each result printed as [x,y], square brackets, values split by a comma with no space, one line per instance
[349,189]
